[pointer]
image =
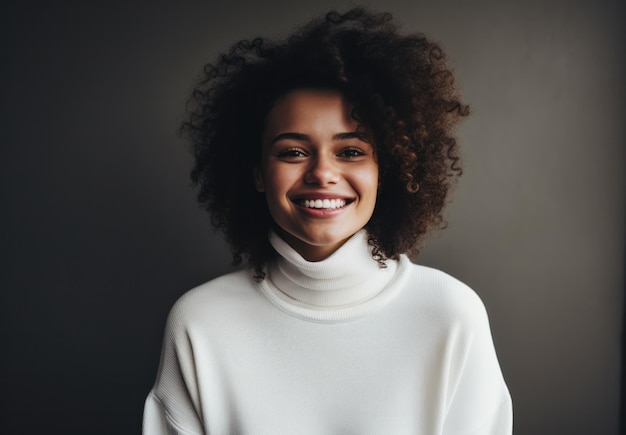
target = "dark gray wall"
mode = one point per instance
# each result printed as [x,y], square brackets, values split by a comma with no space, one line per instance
[100,232]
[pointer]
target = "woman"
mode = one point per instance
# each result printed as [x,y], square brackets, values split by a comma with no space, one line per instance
[324,159]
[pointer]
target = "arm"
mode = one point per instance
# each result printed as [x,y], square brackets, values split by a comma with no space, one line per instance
[172,407]
[479,401]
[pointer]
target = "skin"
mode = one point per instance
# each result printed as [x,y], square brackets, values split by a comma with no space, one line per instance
[314,150]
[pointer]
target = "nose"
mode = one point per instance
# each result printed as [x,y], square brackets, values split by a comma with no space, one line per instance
[322,170]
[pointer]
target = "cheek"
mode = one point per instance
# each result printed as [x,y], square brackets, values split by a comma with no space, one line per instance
[278,180]
[367,181]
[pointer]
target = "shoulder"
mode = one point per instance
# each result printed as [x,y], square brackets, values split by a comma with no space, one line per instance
[443,294]
[238,283]
[214,299]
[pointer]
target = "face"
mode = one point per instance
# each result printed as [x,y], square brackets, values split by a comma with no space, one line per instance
[319,175]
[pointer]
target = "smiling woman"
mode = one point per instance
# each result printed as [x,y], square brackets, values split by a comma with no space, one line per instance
[400,93]
[344,160]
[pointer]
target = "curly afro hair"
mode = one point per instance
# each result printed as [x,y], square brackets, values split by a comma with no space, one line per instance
[400,89]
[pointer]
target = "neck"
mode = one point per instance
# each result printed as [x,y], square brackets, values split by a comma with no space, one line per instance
[309,252]
[346,277]
[346,285]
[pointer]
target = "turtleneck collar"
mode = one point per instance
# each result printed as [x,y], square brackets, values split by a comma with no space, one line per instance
[345,285]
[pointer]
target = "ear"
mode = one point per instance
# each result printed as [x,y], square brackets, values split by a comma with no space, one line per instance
[258,180]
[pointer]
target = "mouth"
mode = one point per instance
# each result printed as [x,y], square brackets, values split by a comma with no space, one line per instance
[323,204]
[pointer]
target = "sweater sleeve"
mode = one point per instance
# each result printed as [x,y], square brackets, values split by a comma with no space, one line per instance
[156,421]
[479,400]
[173,405]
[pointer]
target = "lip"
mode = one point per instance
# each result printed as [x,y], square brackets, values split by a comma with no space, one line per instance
[321,195]
[300,199]
[321,212]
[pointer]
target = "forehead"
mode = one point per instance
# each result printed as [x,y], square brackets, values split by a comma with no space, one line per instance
[310,110]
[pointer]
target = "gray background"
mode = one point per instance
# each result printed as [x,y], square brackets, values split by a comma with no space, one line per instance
[100,232]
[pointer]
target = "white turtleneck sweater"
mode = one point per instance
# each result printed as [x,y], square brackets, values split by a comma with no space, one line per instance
[335,347]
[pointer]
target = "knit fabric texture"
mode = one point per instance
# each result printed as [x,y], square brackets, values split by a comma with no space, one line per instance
[339,346]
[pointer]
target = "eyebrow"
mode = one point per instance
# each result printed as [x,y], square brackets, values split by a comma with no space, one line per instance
[306,138]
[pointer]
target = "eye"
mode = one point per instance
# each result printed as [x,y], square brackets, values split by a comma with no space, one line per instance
[291,153]
[352,152]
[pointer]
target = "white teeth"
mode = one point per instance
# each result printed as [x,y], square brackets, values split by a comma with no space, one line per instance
[323,203]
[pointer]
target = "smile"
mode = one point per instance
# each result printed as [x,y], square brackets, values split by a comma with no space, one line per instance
[322,203]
